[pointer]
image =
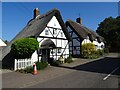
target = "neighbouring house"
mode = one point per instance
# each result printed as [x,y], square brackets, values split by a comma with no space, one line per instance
[51,33]
[80,34]
[2,43]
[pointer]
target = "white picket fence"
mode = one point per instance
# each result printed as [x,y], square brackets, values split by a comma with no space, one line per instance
[22,63]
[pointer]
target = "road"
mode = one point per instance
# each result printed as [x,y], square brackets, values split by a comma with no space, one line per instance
[103,73]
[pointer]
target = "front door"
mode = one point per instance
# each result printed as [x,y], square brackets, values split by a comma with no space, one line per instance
[45,55]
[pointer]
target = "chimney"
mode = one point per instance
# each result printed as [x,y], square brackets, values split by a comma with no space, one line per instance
[79,20]
[36,12]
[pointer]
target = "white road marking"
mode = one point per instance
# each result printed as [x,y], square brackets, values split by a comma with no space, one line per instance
[110,73]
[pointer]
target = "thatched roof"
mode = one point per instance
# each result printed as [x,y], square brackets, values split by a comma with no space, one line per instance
[82,31]
[36,26]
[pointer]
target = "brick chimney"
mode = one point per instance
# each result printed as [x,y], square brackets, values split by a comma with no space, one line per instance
[79,20]
[36,12]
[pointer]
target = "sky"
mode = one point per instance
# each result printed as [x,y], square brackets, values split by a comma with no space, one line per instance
[15,15]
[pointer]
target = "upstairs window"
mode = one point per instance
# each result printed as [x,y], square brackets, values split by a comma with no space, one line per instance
[61,34]
[54,31]
[46,32]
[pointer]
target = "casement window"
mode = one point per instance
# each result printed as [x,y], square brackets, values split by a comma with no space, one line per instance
[54,31]
[102,46]
[61,34]
[52,51]
[59,50]
[74,47]
[46,32]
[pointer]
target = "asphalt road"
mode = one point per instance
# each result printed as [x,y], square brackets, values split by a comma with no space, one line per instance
[103,73]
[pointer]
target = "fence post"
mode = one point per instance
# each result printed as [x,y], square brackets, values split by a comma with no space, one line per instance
[15,65]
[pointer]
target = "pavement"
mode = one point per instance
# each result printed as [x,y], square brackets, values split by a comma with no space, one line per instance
[11,79]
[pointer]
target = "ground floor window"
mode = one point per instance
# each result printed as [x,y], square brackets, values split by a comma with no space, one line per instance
[59,50]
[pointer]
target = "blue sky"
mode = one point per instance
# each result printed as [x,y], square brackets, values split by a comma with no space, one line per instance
[16,15]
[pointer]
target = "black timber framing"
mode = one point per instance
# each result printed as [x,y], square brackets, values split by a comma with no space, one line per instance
[56,38]
[78,39]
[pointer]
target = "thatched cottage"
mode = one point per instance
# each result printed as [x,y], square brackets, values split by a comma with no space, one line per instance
[51,33]
[81,34]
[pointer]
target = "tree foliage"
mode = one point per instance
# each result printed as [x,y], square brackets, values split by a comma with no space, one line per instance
[24,47]
[110,30]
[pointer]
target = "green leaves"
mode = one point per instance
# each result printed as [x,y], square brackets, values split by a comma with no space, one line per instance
[87,49]
[110,30]
[24,47]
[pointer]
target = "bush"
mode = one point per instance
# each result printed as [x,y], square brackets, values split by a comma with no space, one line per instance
[24,47]
[101,52]
[69,59]
[41,65]
[55,63]
[106,50]
[29,69]
[87,50]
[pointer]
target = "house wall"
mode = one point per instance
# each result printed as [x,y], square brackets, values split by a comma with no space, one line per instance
[87,40]
[98,45]
[54,32]
[74,45]
[2,44]
[101,45]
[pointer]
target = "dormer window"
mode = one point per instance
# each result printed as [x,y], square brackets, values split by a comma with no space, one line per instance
[46,32]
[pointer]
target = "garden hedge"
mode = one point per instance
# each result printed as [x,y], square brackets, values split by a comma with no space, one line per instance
[24,47]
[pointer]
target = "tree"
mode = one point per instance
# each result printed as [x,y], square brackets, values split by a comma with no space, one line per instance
[24,47]
[110,30]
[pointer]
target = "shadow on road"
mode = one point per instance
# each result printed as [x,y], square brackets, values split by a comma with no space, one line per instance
[105,66]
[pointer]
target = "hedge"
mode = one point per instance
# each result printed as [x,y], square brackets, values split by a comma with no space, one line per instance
[24,47]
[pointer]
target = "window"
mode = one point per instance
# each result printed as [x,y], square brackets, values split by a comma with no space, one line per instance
[52,51]
[74,47]
[54,31]
[102,46]
[61,34]
[46,32]
[59,50]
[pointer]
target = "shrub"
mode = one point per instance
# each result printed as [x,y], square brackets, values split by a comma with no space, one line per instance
[55,63]
[29,69]
[24,47]
[69,59]
[41,65]
[106,50]
[87,50]
[101,52]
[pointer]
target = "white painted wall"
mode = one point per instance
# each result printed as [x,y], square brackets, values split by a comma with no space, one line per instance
[101,44]
[55,24]
[2,43]
[98,45]
[86,41]
[34,57]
